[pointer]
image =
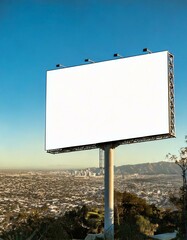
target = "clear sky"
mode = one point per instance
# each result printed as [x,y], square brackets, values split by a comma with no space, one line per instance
[35,35]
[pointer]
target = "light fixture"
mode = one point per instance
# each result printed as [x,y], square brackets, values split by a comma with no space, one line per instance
[59,65]
[147,50]
[89,60]
[117,55]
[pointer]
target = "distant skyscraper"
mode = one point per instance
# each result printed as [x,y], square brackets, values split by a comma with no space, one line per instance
[101,158]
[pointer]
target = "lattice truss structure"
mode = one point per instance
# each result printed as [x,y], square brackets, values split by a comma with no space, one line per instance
[171,93]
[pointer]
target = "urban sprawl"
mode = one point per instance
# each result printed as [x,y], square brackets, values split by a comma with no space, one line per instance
[52,193]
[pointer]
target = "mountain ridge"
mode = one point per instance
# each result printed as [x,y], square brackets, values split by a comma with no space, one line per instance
[149,168]
[154,168]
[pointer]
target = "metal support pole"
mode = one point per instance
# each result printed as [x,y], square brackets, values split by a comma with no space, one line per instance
[109,194]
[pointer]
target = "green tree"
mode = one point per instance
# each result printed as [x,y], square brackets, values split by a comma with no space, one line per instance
[181,161]
[145,226]
[134,218]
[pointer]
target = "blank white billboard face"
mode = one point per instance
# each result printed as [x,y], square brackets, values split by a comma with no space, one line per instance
[109,101]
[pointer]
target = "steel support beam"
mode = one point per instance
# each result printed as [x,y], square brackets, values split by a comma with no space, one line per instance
[109,193]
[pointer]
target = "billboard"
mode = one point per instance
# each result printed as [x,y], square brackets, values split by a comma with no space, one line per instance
[117,101]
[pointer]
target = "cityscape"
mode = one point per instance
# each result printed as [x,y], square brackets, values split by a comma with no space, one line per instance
[52,193]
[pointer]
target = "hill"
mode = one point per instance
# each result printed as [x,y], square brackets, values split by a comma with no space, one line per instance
[149,168]
[145,168]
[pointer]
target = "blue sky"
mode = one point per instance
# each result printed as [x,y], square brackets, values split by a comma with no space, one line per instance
[37,34]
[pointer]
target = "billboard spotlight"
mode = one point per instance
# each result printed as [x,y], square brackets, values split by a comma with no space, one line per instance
[147,50]
[59,65]
[117,55]
[89,60]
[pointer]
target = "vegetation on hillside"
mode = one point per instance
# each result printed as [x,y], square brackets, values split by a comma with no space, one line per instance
[134,219]
[180,201]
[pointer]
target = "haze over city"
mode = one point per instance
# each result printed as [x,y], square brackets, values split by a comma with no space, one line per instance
[36,35]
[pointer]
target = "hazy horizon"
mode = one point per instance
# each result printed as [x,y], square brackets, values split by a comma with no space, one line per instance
[60,167]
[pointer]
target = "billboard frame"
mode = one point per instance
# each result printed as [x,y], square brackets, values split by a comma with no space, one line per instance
[171,134]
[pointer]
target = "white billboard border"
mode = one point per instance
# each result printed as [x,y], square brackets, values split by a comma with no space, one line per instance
[171,134]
